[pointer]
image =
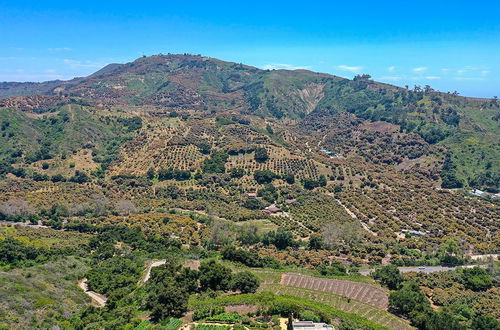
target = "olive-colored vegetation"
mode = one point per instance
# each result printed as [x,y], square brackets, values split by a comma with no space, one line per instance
[176,157]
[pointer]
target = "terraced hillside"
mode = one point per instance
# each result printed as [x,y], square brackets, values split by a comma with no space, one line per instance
[363,292]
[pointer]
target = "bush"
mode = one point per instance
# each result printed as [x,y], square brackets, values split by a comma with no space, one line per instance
[216,163]
[203,313]
[214,276]
[264,176]
[253,204]
[409,299]
[336,269]
[245,282]
[261,155]
[279,238]
[389,276]
[476,279]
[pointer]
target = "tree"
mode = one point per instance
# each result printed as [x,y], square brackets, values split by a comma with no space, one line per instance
[450,253]
[315,242]
[168,300]
[204,148]
[248,234]
[485,322]
[245,282]
[409,299]
[150,174]
[237,172]
[389,276]
[216,163]
[80,177]
[476,279]
[214,276]
[13,252]
[261,155]
[279,238]
[264,176]
[253,204]
[223,233]
[335,269]
[289,178]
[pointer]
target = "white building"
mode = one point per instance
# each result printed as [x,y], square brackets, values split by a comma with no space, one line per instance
[310,325]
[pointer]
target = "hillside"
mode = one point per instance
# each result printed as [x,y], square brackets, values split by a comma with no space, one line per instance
[262,192]
[467,128]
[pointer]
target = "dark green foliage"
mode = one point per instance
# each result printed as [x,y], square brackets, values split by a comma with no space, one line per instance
[173,174]
[410,301]
[214,276]
[279,238]
[57,178]
[311,183]
[438,321]
[268,193]
[19,172]
[237,172]
[264,176]
[476,279]
[13,252]
[216,163]
[315,242]
[289,178]
[80,177]
[170,191]
[253,204]
[115,277]
[167,300]
[389,276]
[131,124]
[150,174]
[449,175]
[485,322]
[336,269]
[245,282]
[204,148]
[248,258]
[261,155]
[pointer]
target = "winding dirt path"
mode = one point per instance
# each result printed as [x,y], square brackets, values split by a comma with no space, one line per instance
[152,264]
[97,298]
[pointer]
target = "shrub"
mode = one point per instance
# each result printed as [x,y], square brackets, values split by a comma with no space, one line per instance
[245,282]
[261,155]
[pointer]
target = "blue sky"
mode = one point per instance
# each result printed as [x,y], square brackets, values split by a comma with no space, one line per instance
[450,45]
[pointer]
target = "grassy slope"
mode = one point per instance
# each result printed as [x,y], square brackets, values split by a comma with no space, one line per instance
[41,296]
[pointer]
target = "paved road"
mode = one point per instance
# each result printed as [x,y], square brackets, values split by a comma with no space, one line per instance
[420,269]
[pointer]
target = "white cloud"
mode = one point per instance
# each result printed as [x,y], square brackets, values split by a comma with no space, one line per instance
[432,77]
[391,68]
[284,66]
[469,78]
[59,49]
[484,73]
[420,69]
[445,70]
[353,69]
[390,78]
[75,64]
